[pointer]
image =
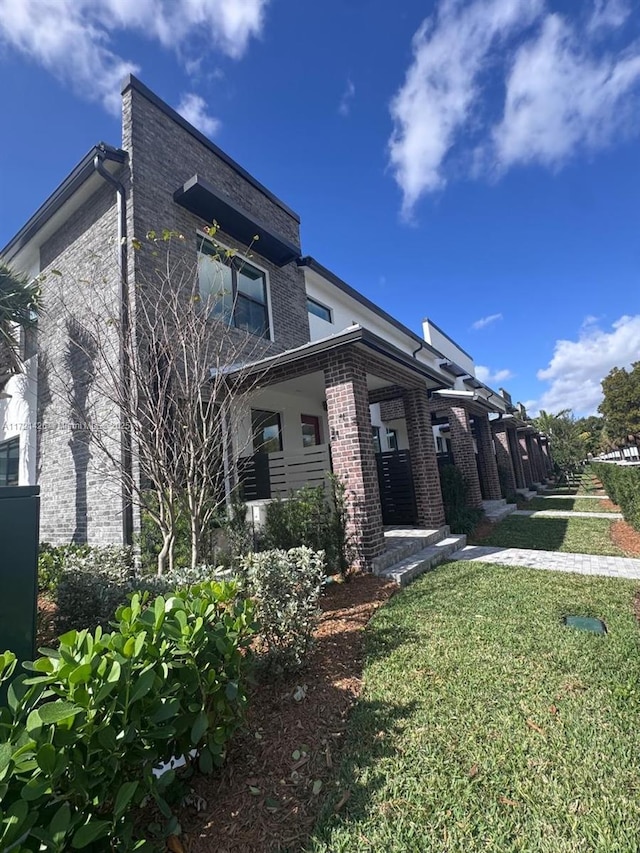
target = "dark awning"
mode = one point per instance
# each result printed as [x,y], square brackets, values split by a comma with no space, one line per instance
[209,204]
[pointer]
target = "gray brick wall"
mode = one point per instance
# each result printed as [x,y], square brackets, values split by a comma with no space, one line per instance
[80,495]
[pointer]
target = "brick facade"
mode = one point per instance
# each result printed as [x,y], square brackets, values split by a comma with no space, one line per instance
[424,464]
[352,452]
[487,464]
[503,456]
[463,450]
[516,456]
[526,460]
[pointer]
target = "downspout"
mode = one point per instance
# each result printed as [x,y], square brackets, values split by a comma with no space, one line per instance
[126,454]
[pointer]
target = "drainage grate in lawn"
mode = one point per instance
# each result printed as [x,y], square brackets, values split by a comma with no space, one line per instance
[585,623]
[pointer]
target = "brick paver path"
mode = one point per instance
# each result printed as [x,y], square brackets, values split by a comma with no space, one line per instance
[575,497]
[565,513]
[553,561]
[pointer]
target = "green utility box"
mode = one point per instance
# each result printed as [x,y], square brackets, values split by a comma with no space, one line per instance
[19,533]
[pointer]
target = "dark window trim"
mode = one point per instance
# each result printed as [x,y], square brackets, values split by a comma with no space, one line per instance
[5,449]
[207,248]
[312,301]
[253,430]
[313,421]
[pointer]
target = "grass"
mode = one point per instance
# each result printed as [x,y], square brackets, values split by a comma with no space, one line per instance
[576,504]
[576,535]
[485,725]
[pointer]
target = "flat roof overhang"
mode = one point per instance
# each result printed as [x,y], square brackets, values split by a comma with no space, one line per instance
[211,205]
[355,336]
[470,399]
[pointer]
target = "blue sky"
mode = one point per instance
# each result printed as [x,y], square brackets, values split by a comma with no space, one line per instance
[475,162]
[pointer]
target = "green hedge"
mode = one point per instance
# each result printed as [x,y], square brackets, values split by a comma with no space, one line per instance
[622,484]
[84,730]
[460,517]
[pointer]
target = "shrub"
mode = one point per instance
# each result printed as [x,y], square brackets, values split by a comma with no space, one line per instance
[81,737]
[51,560]
[622,484]
[286,586]
[507,492]
[460,517]
[312,519]
[92,585]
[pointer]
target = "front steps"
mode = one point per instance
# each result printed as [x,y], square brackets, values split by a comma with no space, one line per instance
[412,551]
[526,494]
[497,510]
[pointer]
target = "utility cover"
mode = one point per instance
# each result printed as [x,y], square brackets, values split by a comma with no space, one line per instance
[586,623]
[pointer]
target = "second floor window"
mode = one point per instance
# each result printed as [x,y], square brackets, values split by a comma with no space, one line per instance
[235,289]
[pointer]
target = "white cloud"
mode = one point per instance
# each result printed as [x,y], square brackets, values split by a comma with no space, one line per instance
[562,92]
[486,321]
[562,98]
[578,367]
[194,109]
[72,38]
[442,86]
[485,374]
[344,108]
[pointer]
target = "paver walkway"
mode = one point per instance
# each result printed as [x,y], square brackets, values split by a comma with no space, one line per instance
[566,513]
[553,561]
[575,497]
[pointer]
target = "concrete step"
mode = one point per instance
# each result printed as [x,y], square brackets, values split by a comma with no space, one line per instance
[411,567]
[526,494]
[497,510]
[402,542]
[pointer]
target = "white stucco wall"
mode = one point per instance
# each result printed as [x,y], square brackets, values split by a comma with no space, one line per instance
[18,417]
[447,347]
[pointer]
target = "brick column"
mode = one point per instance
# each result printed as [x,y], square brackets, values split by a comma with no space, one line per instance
[526,462]
[539,460]
[464,454]
[503,456]
[424,463]
[547,457]
[533,459]
[352,451]
[516,457]
[487,464]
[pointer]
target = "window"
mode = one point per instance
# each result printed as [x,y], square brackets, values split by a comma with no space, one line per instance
[310,430]
[319,310]
[392,439]
[376,440]
[267,431]
[235,289]
[9,462]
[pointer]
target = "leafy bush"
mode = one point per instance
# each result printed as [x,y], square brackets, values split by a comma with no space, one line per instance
[308,518]
[286,586]
[622,484]
[507,492]
[51,561]
[92,585]
[460,517]
[81,737]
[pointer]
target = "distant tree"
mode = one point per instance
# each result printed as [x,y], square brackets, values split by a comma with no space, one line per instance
[568,439]
[592,429]
[20,300]
[621,403]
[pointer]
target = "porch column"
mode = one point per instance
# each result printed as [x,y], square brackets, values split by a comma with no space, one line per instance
[533,461]
[526,462]
[503,456]
[547,457]
[537,456]
[464,455]
[424,463]
[516,457]
[352,451]
[487,465]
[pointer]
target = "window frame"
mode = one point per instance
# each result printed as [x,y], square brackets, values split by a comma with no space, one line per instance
[314,301]
[218,247]
[315,422]
[278,415]
[5,448]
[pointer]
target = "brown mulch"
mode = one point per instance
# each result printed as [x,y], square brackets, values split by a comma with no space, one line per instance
[480,532]
[46,621]
[609,506]
[626,538]
[264,798]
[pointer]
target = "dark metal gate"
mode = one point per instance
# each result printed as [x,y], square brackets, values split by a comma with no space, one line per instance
[397,493]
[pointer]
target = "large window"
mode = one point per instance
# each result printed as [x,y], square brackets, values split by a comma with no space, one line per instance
[267,431]
[9,462]
[235,290]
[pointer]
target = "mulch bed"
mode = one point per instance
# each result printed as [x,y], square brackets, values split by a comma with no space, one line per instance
[264,798]
[626,538]
[482,529]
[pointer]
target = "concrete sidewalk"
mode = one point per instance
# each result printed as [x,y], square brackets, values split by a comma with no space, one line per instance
[553,561]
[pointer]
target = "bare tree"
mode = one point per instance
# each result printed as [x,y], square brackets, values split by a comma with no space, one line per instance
[177,399]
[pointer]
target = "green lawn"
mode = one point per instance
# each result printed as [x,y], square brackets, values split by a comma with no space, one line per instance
[576,504]
[577,535]
[486,725]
